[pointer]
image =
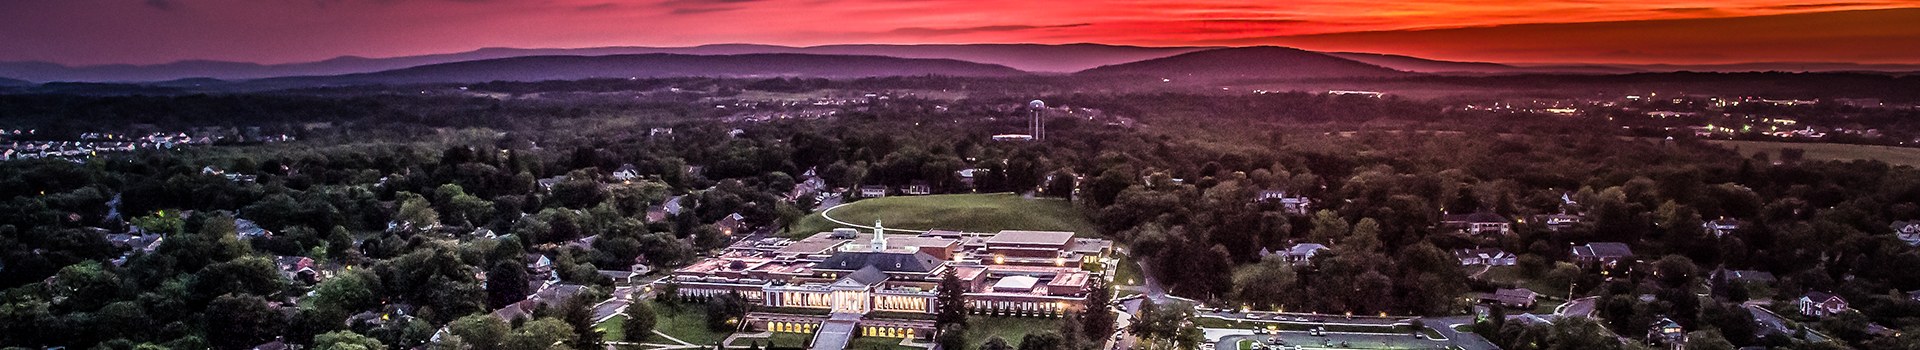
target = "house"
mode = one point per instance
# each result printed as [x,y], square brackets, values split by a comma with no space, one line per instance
[1668,334]
[873,191]
[626,173]
[297,268]
[550,297]
[1485,256]
[660,131]
[1479,223]
[539,264]
[1722,226]
[1908,231]
[1914,295]
[659,212]
[1557,222]
[917,188]
[1303,253]
[1601,253]
[245,229]
[547,183]
[1819,304]
[1520,298]
[1289,204]
[730,224]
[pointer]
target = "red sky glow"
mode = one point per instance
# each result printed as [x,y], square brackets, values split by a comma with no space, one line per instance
[79,32]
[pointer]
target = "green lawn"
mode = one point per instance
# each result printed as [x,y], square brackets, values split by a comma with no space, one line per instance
[1828,151]
[990,212]
[1010,328]
[1246,345]
[688,323]
[1513,274]
[1127,272]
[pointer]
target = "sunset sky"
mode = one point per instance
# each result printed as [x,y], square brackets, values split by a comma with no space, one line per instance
[84,32]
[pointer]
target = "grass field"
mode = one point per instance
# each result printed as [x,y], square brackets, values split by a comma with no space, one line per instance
[1013,329]
[797,340]
[1216,322]
[688,323]
[990,212]
[1828,151]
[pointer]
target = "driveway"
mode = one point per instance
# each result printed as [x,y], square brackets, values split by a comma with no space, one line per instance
[1582,307]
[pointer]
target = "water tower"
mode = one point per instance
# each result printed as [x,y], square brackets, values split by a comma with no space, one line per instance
[1039,126]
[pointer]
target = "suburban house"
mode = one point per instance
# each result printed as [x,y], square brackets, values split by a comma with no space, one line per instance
[1908,231]
[297,268]
[659,213]
[550,297]
[1601,253]
[917,188]
[1722,226]
[1668,333]
[1819,304]
[1520,298]
[1914,295]
[873,191]
[1303,253]
[1485,256]
[1556,222]
[1480,223]
[626,173]
[1289,204]
[730,224]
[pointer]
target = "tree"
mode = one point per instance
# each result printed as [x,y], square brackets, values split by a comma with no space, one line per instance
[953,336]
[415,212]
[1061,184]
[578,312]
[346,340]
[481,331]
[951,300]
[242,321]
[540,334]
[640,321]
[996,343]
[1675,271]
[1098,320]
[724,312]
[1263,285]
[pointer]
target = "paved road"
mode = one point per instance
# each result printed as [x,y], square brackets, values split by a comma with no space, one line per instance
[1464,340]
[1772,323]
[1289,339]
[1582,307]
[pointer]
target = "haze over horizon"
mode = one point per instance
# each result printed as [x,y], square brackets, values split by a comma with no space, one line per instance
[92,32]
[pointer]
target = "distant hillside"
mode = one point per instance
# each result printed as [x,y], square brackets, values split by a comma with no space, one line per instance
[1262,62]
[14,82]
[538,68]
[1028,57]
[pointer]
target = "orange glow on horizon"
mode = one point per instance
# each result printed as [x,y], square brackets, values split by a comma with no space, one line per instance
[158,31]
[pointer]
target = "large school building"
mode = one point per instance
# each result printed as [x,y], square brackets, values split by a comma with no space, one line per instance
[847,282]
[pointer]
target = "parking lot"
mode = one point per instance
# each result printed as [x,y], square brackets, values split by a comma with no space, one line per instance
[1288,340]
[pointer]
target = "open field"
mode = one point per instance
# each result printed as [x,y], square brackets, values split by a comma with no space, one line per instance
[1012,329]
[687,322]
[987,212]
[1828,151]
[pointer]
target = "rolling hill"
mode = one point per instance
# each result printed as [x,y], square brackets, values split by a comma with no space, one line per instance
[1261,62]
[538,68]
[1422,65]
[1027,57]
[14,82]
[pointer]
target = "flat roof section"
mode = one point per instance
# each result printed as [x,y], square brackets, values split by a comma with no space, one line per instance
[1053,238]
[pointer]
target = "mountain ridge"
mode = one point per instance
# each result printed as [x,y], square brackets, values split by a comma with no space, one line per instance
[1259,62]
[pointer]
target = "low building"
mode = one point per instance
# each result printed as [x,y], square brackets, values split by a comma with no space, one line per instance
[1908,231]
[1481,223]
[1557,222]
[731,223]
[1667,334]
[1722,227]
[1304,252]
[873,191]
[1290,204]
[1521,298]
[917,188]
[1485,256]
[1601,254]
[1820,304]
